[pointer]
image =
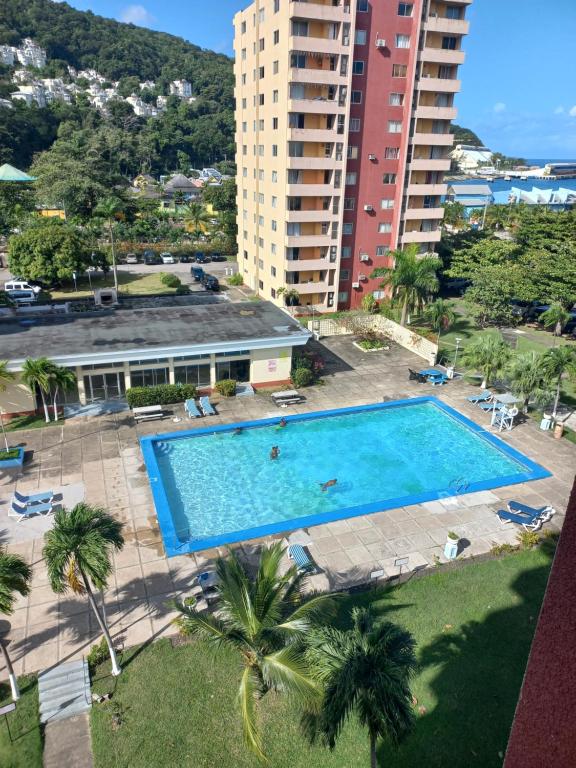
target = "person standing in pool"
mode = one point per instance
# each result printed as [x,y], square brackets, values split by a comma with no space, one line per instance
[238,431]
[275,452]
[324,486]
[283,422]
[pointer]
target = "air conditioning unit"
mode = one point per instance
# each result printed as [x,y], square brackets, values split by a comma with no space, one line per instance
[368,208]
[380,42]
[355,285]
[364,257]
[372,157]
[362,277]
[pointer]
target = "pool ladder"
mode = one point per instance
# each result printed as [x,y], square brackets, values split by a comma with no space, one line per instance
[460,484]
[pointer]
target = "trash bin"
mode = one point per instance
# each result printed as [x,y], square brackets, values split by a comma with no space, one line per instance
[558,430]
[546,423]
[450,373]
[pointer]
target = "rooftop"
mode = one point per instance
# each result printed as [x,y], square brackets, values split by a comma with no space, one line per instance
[72,337]
[469,189]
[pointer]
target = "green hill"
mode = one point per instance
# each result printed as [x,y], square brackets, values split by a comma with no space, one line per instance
[465,136]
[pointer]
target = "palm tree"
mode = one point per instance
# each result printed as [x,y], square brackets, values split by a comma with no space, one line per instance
[108,209]
[61,378]
[36,374]
[454,214]
[527,377]
[488,354]
[557,362]
[440,314]
[196,216]
[291,296]
[365,671]
[77,551]
[412,279]
[6,377]
[264,619]
[555,316]
[15,575]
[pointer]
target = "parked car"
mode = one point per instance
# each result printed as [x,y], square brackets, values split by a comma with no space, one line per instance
[520,308]
[218,257]
[185,258]
[151,258]
[201,258]
[18,284]
[167,258]
[131,258]
[22,297]
[210,283]
[197,273]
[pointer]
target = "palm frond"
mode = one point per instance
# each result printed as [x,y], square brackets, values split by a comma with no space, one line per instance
[15,575]
[287,670]
[247,697]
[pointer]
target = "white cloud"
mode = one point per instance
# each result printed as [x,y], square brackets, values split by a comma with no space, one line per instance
[559,110]
[499,106]
[572,112]
[137,14]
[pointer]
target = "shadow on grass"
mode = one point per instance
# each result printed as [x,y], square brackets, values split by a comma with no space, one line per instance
[475,677]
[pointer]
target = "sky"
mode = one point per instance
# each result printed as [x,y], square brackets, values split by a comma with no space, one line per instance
[518,89]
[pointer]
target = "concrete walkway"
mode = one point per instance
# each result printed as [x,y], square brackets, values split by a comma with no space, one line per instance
[67,743]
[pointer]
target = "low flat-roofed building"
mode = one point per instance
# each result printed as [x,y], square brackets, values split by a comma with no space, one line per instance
[112,350]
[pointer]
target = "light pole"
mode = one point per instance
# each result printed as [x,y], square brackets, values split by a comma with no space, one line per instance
[486,204]
[458,340]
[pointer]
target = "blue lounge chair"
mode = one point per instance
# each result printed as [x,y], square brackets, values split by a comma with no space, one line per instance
[528,522]
[33,498]
[191,409]
[524,509]
[297,553]
[480,397]
[22,513]
[206,406]
[492,406]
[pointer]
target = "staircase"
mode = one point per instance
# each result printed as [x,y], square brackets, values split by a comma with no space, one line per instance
[244,390]
[64,691]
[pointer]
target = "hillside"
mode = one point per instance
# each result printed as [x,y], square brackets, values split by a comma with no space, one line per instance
[465,136]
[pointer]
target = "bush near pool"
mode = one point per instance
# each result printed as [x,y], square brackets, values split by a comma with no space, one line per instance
[163,394]
[226,387]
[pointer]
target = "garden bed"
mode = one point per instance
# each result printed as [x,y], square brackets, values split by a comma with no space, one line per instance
[12,458]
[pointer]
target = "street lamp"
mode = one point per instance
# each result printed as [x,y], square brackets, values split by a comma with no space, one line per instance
[458,340]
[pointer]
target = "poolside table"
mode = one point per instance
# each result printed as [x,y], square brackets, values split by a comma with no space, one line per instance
[433,375]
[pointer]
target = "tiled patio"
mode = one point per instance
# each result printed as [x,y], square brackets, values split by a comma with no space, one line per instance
[100,459]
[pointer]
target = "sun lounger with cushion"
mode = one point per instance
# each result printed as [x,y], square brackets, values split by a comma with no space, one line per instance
[16,510]
[491,406]
[297,553]
[480,397]
[206,406]
[529,523]
[191,409]
[524,509]
[27,500]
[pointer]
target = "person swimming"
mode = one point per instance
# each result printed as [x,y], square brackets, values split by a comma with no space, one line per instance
[275,452]
[282,422]
[238,431]
[324,486]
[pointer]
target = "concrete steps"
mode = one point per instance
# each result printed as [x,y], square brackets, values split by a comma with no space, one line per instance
[64,691]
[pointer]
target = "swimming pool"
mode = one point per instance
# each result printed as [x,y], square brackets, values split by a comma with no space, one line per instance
[218,485]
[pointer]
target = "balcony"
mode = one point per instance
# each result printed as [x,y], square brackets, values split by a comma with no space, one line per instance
[316,106]
[428,164]
[323,135]
[438,84]
[421,237]
[435,113]
[318,287]
[319,12]
[417,190]
[435,139]
[316,216]
[308,265]
[318,190]
[448,26]
[442,56]
[308,241]
[418,214]
[312,163]
[310,75]
[315,44]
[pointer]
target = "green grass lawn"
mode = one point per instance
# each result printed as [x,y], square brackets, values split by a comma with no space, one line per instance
[473,629]
[30,422]
[25,749]
[129,282]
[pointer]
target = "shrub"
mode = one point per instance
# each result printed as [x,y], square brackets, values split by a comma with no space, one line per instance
[226,387]
[98,655]
[13,453]
[528,539]
[302,377]
[170,281]
[182,289]
[163,394]
[369,303]
[502,549]
[236,279]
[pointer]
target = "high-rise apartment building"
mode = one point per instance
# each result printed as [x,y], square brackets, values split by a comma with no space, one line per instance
[343,114]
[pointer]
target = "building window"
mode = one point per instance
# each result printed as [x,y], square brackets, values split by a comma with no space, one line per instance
[244,149]
[261,285]
[273,271]
[260,174]
[261,43]
[260,125]
[354,124]
[382,250]
[453,12]
[260,221]
[379,294]
[384,228]
[275,97]
[273,248]
[260,150]
[274,177]
[274,201]
[362,5]
[344,274]
[199,375]
[352,152]
[395,126]
[243,54]
[150,377]
[274,226]
[389,178]
[272,293]
[449,43]
[402,41]
[276,6]
[387,203]
[260,264]
[405,9]
[360,37]
[260,72]
[399,70]
[274,150]
[347,228]
[274,67]
[356,97]
[396,99]
[274,123]
[351,178]
[246,255]
[244,173]
[346,251]
[243,27]
[358,68]
[243,103]
[261,15]
[392,153]
[349,203]
[300,28]
[276,36]
[343,297]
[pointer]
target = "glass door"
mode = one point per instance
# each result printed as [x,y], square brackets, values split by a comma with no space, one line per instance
[104,386]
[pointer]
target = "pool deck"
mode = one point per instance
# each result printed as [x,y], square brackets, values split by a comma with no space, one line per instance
[99,459]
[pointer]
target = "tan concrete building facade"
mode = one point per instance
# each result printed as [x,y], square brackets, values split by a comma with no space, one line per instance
[343,118]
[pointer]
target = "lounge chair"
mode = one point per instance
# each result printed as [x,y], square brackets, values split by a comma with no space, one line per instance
[414,376]
[191,409]
[206,406]
[297,553]
[33,498]
[20,512]
[480,397]
[528,522]
[491,406]
[523,509]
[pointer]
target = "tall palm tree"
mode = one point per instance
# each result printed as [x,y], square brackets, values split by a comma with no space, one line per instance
[291,296]
[108,209]
[454,214]
[15,575]
[6,377]
[557,362]
[365,671]
[62,379]
[527,377]
[78,552]
[264,619]
[412,279]
[36,374]
[196,216]
[556,316]
[440,314]
[488,354]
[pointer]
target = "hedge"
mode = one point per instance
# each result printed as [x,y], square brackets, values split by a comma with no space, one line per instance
[226,387]
[163,394]
[170,281]
[302,377]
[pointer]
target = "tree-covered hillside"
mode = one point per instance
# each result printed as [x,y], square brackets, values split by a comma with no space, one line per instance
[465,136]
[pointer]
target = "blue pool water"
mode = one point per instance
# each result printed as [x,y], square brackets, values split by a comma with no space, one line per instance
[213,486]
